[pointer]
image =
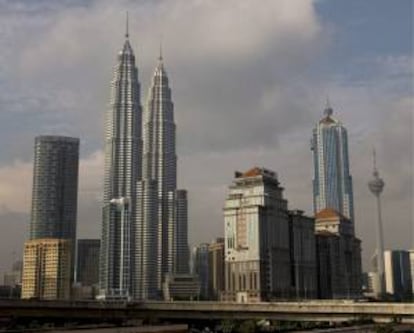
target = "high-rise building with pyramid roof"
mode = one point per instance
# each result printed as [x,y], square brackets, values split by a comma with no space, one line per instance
[332,183]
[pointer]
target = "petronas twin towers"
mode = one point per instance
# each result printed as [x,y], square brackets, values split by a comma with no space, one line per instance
[144,224]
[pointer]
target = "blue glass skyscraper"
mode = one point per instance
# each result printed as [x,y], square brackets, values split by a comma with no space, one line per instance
[332,183]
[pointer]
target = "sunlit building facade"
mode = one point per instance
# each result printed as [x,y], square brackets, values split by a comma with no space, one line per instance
[257,258]
[46,269]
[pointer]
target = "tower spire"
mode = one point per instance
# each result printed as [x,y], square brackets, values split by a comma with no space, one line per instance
[127,26]
[160,58]
[160,54]
[328,103]
[328,108]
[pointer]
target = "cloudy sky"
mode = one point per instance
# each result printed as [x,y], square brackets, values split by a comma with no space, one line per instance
[249,81]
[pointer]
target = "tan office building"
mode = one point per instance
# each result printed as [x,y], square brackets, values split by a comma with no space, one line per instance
[46,269]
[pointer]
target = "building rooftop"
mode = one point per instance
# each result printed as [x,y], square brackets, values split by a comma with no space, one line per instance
[254,172]
[329,213]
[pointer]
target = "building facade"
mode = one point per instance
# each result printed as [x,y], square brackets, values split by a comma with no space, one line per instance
[411,254]
[87,261]
[338,256]
[160,167]
[302,255]
[398,283]
[201,269]
[55,189]
[14,277]
[180,287]
[123,147]
[46,269]
[180,222]
[257,259]
[146,279]
[332,183]
[216,281]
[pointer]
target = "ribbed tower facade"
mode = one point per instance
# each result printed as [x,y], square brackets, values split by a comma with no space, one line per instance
[123,156]
[332,183]
[160,168]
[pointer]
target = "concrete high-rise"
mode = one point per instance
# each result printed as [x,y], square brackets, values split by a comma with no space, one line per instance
[302,255]
[257,258]
[397,272]
[123,147]
[55,189]
[146,274]
[87,261]
[201,269]
[179,215]
[14,277]
[338,256]
[216,268]
[411,256]
[46,269]
[332,183]
[376,186]
[160,167]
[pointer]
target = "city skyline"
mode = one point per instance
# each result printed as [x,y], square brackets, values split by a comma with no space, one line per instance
[264,120]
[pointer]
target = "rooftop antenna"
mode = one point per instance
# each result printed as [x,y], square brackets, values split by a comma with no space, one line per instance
[328,109]
[328,103]
[160,50]
[127,26]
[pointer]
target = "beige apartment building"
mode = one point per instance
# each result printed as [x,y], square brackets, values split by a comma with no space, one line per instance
[46,269]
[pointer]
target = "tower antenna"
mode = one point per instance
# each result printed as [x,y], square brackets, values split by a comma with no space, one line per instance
[160,50]
[328,103]
[127,26]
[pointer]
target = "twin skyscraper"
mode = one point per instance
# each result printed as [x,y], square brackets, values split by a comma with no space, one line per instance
[144,221]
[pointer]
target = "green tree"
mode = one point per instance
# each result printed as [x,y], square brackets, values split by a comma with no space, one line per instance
[387,328]
[247,326]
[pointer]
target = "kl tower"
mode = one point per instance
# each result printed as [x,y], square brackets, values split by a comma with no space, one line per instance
[376,185]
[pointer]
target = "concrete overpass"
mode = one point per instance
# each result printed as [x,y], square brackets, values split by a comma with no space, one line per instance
[192,311]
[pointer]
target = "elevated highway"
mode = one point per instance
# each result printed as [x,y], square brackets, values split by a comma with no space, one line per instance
[336,311]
